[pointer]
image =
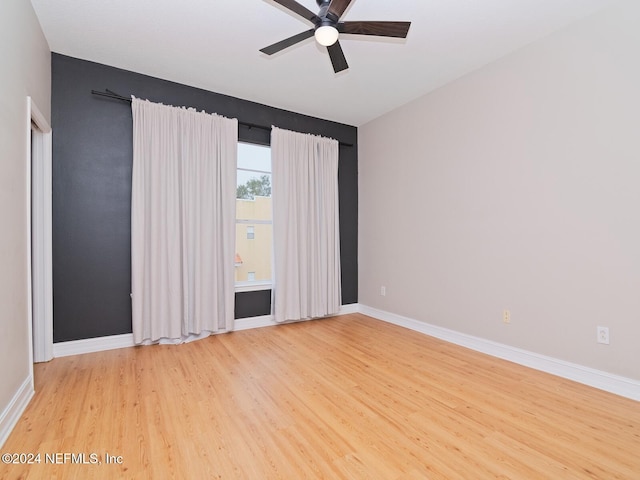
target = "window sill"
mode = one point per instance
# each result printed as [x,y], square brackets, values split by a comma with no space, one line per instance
[252,286]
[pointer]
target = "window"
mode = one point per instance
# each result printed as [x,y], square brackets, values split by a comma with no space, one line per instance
[253,218]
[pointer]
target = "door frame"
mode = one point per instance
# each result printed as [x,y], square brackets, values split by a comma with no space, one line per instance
[39,234]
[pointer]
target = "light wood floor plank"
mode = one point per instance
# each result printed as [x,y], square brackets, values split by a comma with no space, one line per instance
[343,398]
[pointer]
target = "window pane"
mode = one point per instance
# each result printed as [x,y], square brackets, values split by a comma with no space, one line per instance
[253,215]
[253,255]
[254,157]
[258,209]
[251,185]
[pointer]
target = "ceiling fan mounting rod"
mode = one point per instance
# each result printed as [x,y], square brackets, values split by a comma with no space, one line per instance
[326,18]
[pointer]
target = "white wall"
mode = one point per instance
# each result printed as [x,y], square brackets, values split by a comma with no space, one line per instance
[518,187]
[25,70]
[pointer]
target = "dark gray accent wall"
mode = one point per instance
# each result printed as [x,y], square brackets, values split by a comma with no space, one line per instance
[253,304]
[92,157]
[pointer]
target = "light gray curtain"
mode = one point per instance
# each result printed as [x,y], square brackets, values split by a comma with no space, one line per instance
[182,223]
[306,234]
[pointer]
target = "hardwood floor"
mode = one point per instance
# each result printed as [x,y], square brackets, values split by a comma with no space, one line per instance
[349,397]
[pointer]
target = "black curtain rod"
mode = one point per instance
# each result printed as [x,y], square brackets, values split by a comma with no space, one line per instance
[109,94]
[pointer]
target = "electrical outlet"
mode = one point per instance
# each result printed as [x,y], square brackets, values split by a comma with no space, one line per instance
[506,316]
[603,335]
[383,291]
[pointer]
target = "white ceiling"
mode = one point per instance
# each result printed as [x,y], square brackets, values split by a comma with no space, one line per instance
[213,44]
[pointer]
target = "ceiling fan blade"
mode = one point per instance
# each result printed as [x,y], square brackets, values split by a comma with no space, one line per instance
[298,9]
[379,29]
[287,42]
[337,7]
[337,57]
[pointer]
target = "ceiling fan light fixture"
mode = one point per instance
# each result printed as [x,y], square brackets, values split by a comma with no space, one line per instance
[328,27]
[326,35]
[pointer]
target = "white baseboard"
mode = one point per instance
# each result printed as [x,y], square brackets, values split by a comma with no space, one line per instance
[92,345]
[268,321]
[625,387]
[351,308]
[10,416]
[253,322]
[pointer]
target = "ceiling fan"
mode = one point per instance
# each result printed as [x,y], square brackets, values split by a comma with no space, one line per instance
[328,27]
